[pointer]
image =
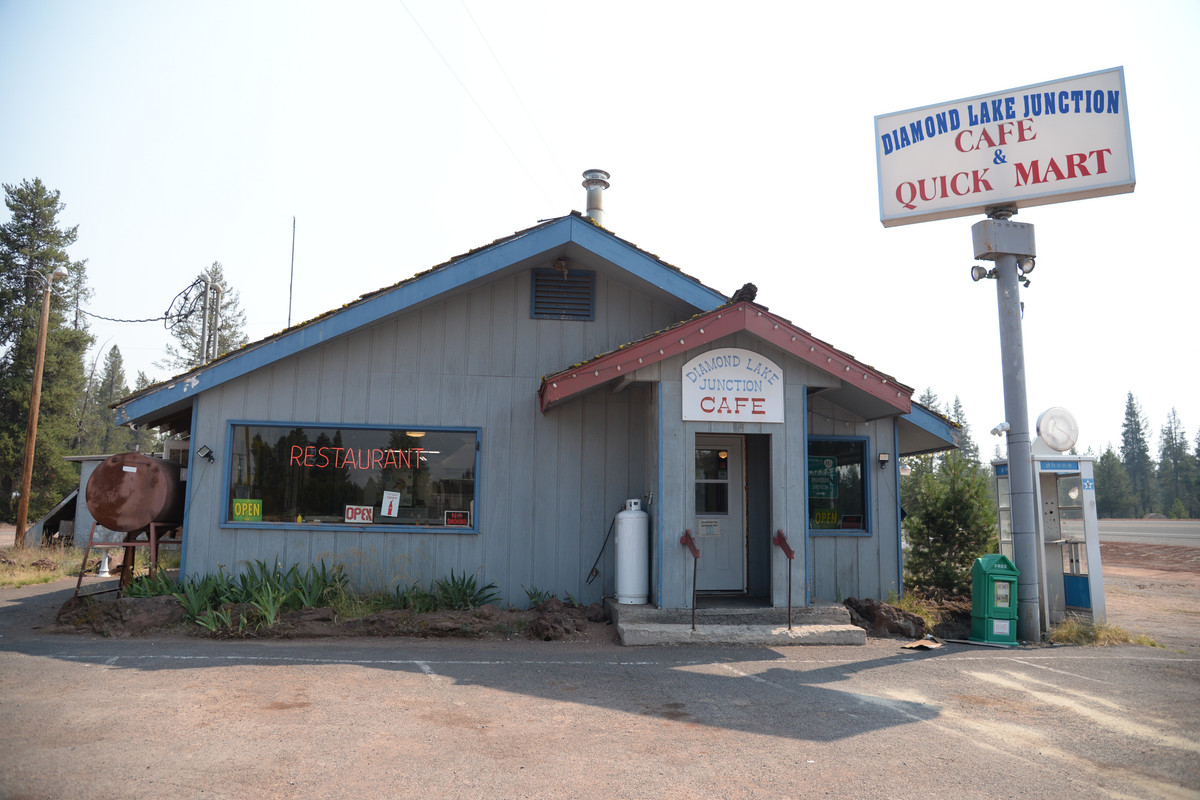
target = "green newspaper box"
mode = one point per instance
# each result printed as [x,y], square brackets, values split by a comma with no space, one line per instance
[994,600]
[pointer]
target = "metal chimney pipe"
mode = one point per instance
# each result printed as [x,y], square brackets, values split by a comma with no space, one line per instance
[595,181]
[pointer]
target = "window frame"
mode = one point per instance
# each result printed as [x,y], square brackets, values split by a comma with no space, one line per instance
[224,514]
[866,529]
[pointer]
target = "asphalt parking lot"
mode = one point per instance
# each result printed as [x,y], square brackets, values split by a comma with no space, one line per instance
[185,717]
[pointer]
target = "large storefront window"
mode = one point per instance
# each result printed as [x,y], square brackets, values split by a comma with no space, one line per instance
[837,491]
[316,475]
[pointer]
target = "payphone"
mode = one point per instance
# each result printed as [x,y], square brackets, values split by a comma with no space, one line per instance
[1070,574]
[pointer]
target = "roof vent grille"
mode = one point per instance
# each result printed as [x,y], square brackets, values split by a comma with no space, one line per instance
[563,294]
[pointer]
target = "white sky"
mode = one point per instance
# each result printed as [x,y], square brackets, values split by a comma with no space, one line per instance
[740,143]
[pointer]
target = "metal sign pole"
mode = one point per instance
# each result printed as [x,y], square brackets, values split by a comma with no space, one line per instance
[1007,243]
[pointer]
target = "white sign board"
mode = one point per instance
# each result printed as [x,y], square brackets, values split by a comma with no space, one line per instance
[1047,143]
[732,385]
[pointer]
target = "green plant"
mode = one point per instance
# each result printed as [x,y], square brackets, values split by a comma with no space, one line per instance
[268,599]
[463,592]
[317,583]
[950,519]
[214,619]
[1076,630]
[351,605]
[537,596]
[415,598]
[197,596]
[915,604]
[144,586]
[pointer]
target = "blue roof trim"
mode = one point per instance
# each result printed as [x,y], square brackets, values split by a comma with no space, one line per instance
[456,273]
[932,423]
[645,266]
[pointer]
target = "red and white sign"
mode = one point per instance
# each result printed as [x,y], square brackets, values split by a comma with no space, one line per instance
[457,519]
[365,514]
[732,385]
[1048,143]
[391,504]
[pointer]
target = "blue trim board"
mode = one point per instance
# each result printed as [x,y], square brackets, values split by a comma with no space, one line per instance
[187,504]
[808,565]
[645,266]
[479,264]
[927,421]
[899,510]
[658,524]
[223,520]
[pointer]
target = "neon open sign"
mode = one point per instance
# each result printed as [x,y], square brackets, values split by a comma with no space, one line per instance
[354,458]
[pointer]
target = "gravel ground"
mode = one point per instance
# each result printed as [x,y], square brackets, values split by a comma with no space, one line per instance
[369,717]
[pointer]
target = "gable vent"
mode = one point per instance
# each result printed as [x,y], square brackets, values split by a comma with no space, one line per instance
[563,294]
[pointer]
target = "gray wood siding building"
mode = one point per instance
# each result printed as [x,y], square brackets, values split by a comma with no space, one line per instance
[457,349]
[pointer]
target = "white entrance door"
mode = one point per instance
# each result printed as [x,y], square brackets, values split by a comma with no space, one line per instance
[720,523]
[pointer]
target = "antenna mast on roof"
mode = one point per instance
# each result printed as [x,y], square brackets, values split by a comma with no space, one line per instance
[292,273]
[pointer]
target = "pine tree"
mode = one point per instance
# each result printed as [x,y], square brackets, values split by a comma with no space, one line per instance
[230,330]
[145,440]
[32,245]
[966,442]
[1176,469]
[1135,455]
[1114,490]
[950,523]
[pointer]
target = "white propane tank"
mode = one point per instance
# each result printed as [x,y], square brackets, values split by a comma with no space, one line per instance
[633,554]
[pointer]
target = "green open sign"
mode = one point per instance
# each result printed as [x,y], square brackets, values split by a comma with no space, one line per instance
[247,511]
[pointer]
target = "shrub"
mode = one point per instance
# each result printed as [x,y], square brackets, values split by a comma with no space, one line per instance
[949,524]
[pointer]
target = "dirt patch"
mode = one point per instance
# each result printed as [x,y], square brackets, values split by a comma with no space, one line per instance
[1154,589]
[1149,589]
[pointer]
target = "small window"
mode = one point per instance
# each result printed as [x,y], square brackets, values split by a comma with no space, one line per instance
[837,491]
[563,294]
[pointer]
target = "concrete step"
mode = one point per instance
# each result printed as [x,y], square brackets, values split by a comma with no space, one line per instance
[652,633]
[732,624]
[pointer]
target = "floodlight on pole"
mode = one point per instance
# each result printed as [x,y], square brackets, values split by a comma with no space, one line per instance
[35,400]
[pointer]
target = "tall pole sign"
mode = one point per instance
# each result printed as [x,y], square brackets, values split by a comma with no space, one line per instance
[1048,143]
[994,154]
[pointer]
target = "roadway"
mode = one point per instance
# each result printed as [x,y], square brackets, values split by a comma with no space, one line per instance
[1183,532]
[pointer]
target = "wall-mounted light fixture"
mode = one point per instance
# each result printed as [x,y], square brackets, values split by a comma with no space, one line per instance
[978,273]
[206,453]
[884,458]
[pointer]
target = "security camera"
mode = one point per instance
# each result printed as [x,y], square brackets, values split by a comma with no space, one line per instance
[1001,429]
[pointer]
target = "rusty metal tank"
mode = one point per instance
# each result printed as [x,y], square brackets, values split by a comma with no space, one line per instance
[128,491]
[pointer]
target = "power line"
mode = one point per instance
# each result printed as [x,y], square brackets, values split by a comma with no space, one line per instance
[504,141]
[516,94]
[182,306]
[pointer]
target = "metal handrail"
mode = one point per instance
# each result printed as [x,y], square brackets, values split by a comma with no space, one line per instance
[780,540]
[687,541]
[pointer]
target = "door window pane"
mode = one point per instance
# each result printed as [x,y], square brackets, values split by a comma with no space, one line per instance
[712,480]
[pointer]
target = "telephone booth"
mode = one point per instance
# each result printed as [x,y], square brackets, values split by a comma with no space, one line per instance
[1069,570]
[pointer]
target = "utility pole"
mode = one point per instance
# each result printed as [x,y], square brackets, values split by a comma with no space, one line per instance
[1010,246]
[35,401]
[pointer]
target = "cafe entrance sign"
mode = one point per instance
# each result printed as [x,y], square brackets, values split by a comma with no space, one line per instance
[730,384]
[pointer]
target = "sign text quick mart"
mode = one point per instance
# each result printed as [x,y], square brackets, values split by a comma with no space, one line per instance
[1059,141]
